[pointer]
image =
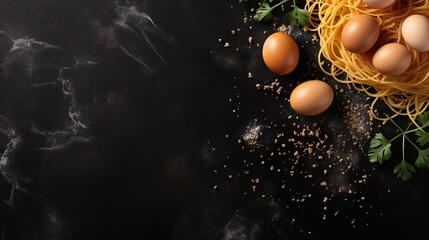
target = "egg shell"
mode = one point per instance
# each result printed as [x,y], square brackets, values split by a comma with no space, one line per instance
[280,53]
[392,59]
[360,33]
[379,3]
[415,31]
[311,97]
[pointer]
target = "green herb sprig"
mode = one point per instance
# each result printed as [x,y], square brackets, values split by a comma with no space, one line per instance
[297,16]
[379,150]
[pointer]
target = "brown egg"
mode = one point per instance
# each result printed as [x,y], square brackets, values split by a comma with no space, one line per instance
[379,3]
[415,31]
[311,97]
[392,59]
[360,33]
[280,53]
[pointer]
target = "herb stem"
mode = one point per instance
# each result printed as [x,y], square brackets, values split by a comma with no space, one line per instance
[404,136]
[393,139]
[403,132]
[412,130]
[409,140]
[397,126]
[406,131]
[403,147]
[280,3]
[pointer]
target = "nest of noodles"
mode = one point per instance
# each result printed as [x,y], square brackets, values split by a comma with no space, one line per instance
[406,94]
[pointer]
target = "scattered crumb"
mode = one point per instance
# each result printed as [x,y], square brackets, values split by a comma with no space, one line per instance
[323,154]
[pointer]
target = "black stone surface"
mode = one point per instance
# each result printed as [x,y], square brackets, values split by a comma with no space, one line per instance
[131,120]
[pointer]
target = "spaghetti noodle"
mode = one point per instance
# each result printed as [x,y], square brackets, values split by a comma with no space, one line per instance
[406,94]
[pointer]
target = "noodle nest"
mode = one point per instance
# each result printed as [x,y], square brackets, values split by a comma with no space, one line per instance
[406,94]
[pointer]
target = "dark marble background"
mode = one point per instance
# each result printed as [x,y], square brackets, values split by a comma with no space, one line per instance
[131,120]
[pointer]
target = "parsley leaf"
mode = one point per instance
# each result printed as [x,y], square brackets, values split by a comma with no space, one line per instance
[422,138]
[404,170]
[423,159]
[298,16]
[423,119]
[264,12]
[379,150]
